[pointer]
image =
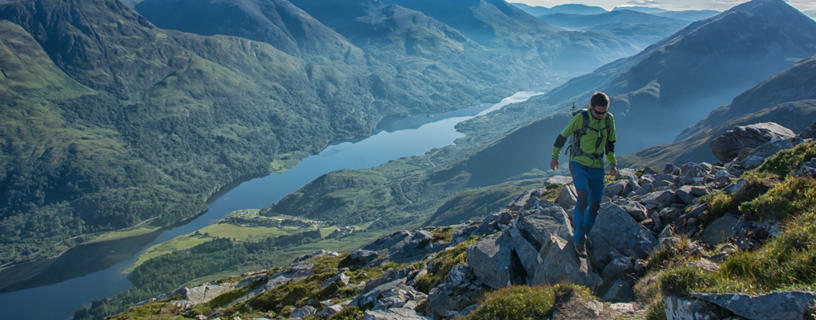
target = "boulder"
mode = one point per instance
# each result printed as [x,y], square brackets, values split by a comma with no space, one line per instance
[615,188]
[634,208]
[619,268]
[341,276]
[330,310]
[754,158]
[204,293]
[559,262]
[620,291]
[447,298]
[770,306]
[394,314]
[304,312]
[685,194]
[397,238]
[720,230]
[616,227]
[493,222]
[539,225]
[728,146]
[490,259]
[567,197]
[678,308]
[526,252]
[363,257]
[809,132]
[628,173]
[663,198]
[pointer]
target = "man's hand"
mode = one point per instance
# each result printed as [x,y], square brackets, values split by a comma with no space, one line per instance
[554,164]
[613,169]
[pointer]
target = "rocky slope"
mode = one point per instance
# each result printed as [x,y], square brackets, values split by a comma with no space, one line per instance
[651,226]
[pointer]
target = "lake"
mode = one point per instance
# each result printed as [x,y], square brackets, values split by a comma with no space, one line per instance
[93,271]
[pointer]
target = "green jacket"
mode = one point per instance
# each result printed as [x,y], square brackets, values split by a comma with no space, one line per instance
[588,142]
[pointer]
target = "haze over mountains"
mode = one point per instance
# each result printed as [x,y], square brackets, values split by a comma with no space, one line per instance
[670,84]
[661,91]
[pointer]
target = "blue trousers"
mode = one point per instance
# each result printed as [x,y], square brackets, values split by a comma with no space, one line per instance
[589,184]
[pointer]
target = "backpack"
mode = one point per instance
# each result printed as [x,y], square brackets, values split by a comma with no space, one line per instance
[575,147]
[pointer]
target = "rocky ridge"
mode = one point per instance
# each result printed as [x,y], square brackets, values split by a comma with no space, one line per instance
[528,243]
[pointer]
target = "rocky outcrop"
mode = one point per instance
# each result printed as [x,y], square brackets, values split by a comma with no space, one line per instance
[729,145]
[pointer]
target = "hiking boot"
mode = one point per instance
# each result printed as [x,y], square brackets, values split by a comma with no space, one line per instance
[580,249]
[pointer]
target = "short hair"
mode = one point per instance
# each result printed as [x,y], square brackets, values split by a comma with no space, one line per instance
[599,99]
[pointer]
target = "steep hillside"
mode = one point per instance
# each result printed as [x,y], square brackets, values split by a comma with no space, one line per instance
[667,87]
[562,8]
[109,121]
[277,22]
[786,98]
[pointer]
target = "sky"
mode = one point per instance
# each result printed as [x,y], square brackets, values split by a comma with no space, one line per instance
[806,6]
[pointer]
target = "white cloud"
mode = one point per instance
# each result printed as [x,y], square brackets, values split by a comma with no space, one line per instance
[646,3]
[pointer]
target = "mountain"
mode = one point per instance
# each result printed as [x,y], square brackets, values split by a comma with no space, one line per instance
[688,15]
[641,29]
[277,22]
[109,121]
[786,98]
[665,88]
[570,8]
[499,25]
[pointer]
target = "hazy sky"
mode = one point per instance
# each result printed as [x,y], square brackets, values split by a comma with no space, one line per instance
[806,6]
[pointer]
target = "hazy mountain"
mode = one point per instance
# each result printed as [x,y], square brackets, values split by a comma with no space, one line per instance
[668,86]
[563,8]
[787,98]
[277,22]
[641,29]
[688,15]
[499,25]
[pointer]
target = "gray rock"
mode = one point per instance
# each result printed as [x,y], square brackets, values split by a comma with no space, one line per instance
[618,269]
[685,194]
[620,291]
[371,296]
[330,310]
[809,132]
[341,276]
[363,256]
[634,208]
[567,197]
[699,191]
[754,158]
[728,146]
[808,168]
[292,274]
[669,168]
[398,238]
[394,314]
[627,173]
[720,230]
[492,222]
[540,225]
[203,293]
[490,259]
[445,299]
[678,308]
[645,189]
[663,198]
[310,256]
[304,312]
[615,188]
[527,253]
[460,273]
[615,226]
[559,262]
[770,306]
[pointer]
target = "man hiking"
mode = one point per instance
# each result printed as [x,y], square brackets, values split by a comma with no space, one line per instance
[593,132]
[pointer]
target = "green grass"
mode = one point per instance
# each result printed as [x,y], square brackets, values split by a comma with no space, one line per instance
[443,263]
[524,302]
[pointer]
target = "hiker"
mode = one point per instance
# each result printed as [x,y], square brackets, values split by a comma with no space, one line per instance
[593,132]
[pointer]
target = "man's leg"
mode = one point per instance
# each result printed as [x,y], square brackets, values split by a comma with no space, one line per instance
[596,185]
[580,179]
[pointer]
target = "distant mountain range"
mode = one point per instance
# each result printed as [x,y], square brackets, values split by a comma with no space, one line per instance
[787,98]
[641,29]
[669,85]
[654,98]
